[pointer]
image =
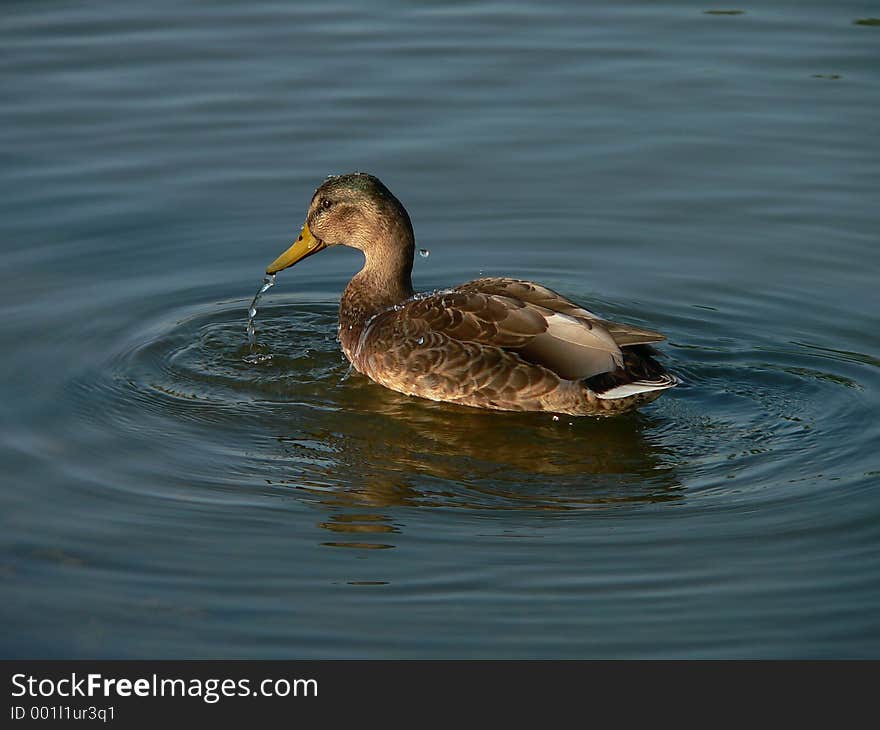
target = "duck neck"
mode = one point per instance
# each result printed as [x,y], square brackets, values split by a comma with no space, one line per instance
[384,280]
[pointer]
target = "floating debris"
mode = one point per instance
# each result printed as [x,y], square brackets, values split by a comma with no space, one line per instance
[827,76]
[724,12]
[867,21]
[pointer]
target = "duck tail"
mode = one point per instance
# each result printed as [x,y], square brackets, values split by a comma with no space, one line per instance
[640,373]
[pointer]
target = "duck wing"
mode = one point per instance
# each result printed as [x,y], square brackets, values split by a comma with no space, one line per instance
[541,296]
[572,347]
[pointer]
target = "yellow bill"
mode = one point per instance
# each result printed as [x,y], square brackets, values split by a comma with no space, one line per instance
[304,246]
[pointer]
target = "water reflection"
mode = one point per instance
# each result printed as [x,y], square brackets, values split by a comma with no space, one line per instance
[357,450]
[389,451]
[355,524]
[360,453]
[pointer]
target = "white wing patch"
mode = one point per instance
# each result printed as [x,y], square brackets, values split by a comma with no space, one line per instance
[640,386]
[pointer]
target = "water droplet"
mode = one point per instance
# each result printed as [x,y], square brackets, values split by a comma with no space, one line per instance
[421,340]
[424,253]
[350,326]
[555,418]
[257,358]
[268,283]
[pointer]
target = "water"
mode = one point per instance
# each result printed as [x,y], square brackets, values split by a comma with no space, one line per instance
[710,176]
[254,357]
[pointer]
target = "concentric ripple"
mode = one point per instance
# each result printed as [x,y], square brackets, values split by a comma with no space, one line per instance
[747,415]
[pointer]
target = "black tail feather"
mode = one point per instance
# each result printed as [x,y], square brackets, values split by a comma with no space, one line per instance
[638,364]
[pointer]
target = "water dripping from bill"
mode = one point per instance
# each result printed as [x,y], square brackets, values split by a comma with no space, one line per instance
[254,357]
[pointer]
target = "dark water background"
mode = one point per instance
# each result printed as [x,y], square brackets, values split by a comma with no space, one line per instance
[711,176]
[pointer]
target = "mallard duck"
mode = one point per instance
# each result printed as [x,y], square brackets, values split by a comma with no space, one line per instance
[499,343]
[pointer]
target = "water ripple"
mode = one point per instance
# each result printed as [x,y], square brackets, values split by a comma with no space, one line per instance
[747,417]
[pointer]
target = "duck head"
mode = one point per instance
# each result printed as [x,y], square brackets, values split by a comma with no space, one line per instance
[354,210]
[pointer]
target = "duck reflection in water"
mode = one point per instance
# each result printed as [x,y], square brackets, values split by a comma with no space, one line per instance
[396,452]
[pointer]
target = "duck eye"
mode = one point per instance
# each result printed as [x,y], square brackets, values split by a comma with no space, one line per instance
[326,204]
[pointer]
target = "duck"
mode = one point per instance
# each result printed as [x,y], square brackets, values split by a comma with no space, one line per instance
[497,343]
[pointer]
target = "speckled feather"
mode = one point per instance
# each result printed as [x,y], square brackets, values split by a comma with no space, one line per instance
[474,345]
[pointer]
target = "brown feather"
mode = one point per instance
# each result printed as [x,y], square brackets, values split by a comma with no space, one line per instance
[500,343]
